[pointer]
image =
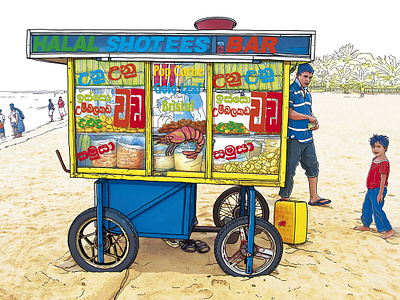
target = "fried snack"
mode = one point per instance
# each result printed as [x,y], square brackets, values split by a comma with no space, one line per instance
[199,125]
[130,157]
[105,161]
[223,129]
[266,163]
[101,124]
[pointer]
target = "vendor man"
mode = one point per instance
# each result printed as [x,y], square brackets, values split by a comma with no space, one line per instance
[300,144]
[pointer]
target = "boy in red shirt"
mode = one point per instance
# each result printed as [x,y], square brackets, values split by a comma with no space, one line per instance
[377,182]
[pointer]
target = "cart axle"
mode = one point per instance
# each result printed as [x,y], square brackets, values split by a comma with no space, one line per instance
[206,229]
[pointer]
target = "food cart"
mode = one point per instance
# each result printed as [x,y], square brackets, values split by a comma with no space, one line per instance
[154,113]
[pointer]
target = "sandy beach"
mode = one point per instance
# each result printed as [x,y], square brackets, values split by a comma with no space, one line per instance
[39,201]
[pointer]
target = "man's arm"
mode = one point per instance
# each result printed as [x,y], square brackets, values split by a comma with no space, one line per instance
[298,116]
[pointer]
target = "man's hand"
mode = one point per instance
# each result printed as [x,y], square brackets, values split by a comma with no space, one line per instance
[312,119]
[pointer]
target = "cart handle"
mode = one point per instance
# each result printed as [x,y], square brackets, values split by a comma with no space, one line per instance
[62,162]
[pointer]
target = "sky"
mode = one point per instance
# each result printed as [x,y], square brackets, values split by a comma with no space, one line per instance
[371,28]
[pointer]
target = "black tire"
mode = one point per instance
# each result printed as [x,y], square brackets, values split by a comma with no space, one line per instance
[227,206]
[230,247]
[120,241]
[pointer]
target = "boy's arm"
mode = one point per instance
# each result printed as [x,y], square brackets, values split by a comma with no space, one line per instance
[381,187]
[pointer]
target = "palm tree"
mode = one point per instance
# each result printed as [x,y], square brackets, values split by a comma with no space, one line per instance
[389,69]
[346,53]
[360,75]
[344,75]
[323,68]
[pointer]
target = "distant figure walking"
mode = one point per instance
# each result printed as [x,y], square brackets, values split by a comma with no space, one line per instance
[17,120]
[2,121]
[362,92]
[61,108]
[51,110]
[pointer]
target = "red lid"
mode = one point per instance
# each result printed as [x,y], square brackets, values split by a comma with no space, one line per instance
[215,23]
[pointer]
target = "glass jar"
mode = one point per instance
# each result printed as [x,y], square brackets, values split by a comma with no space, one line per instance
[161,161]
[130,156]
[106,153]
[183,162]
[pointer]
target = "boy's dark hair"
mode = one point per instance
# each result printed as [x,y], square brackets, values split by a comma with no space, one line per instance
[382,139]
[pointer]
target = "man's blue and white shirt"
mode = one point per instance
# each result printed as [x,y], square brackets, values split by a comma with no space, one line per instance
[300,101]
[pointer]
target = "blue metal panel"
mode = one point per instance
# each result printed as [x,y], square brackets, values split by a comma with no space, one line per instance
[156,209]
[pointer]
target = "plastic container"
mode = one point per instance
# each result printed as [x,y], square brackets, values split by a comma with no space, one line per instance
[107,152]
[130,153]
[183,163]
[162,162]
[291,219]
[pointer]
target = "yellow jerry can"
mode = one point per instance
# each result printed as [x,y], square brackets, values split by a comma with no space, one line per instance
[291,219]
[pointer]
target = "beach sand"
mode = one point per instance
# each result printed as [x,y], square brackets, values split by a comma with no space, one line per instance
[39,201]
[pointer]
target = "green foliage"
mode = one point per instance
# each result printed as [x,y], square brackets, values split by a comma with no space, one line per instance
[348,70]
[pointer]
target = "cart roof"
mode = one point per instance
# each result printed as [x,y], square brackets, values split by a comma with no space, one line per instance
[170,45]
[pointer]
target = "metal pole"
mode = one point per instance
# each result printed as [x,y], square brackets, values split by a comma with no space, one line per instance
[99,196]
[251,196]
[242,201]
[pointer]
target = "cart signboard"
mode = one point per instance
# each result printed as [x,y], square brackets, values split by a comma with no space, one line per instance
[192,106]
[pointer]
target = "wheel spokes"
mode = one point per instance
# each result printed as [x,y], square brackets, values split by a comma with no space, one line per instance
[236,258]
[243,234]
[114,244]
[263,252]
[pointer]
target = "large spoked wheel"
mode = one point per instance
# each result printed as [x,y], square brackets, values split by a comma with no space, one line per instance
[120,241]
[227,206]
[231,247]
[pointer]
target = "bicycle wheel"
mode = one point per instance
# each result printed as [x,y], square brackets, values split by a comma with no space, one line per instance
[227,206]
[120,241]
[232,257]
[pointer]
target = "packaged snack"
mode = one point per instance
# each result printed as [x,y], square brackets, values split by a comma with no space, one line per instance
[130,156]
[107,153]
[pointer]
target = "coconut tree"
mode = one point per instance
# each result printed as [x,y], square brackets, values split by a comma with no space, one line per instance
[346,53]
[322,70]
[388,68]
[343,77]
[360,75]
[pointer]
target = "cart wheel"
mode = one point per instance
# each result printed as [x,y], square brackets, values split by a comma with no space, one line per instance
[227,206]
[232,258]
[120,241]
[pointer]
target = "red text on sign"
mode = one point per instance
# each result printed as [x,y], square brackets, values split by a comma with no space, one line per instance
[266,112]
[129,108]
[235,44]
[94,152]
[229,152]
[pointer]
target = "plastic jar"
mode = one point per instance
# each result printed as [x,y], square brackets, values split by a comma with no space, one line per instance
[107,154]
[183,163]
[130,156]
[162,162]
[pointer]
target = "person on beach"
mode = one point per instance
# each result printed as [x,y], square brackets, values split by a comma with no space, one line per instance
[51,110]
[13,122]
[2,121]
[17,120]
[300,143]
[377,181]
[61,108]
